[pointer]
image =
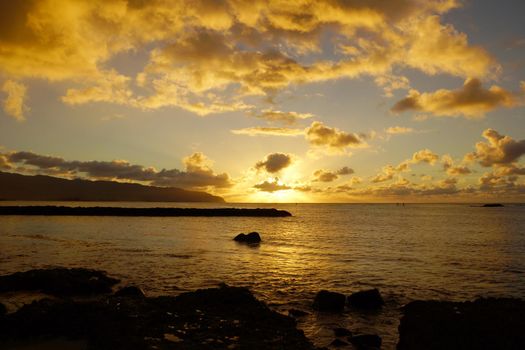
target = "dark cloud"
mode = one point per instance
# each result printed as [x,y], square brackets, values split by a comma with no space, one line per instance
[322,175]
[197,175]
[274,162]
[274,186]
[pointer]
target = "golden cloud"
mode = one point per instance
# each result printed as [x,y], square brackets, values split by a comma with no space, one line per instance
[271,186]
[206,56]
[497,151]
[471,101]
[14,102]
[270,131]
[332,138]
[284,117]
[396,130]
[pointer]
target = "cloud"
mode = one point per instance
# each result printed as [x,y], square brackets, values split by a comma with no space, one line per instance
[272,186]
[470,101]
[197,175]
[289,118]
[322,175]
[4,162]
[268,131]
[274,162]
[396,130]
[332,138]
[498,150]
[424,156]
[14,102]
[451,169]
[207,56]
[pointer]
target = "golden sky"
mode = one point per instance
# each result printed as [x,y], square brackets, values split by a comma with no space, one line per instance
[269,101]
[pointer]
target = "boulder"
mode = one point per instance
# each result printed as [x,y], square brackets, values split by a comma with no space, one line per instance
[3,309]
[342,332]
[250,238]
[329,301]
[493,323]
[60,282]
[131,292]
[366,299]
[366,341]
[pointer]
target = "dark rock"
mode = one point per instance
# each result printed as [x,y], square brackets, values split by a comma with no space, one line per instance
[342,332]
[130,291]
[226,317]
[297,313]
[366,299]
[329,301]
[492,205]
[3,309]
[482,324]
[252,237]
[367,341]
[59,282]
[338,343]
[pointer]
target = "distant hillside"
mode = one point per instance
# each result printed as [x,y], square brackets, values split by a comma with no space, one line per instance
[47,188]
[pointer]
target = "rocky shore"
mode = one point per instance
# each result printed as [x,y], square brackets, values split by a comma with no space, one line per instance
[82,310]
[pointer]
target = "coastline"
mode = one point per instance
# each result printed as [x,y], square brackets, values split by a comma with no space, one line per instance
[82,310]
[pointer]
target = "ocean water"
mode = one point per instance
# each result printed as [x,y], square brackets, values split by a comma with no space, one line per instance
[416,251]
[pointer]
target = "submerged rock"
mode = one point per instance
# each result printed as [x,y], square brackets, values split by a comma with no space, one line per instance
[367,341]
[225,318]
[130,291]
[329,301]
[59,282]
[482,324]
[492,205]
[366,299]
[252,237]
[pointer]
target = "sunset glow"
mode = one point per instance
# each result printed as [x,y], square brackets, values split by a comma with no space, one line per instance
[269,101]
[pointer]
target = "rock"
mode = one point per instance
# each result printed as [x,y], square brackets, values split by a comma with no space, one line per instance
[250,238]
[130,291]
[366,299]
[492,205]
[297,313]
[342,332]
[493,323]
[366,341]
[338,343]
[224,318]
[329,301]
[3,309]
[59,282]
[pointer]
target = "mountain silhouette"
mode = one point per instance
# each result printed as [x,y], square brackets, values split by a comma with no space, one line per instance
[48,188]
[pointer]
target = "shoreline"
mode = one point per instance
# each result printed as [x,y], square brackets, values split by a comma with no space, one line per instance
[50,210]
[82,310]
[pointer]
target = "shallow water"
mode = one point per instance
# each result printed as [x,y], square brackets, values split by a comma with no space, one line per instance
[437,251]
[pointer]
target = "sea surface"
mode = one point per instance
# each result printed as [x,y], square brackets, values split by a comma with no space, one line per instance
[417,251]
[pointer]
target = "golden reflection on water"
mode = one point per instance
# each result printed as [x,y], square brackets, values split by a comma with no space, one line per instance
[411,252]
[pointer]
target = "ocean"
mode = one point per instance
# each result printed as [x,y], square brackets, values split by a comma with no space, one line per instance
[416,251]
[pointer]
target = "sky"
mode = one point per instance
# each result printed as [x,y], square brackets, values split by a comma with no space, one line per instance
[270,101]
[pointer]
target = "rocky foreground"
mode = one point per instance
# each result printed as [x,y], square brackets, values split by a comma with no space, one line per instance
[83,312]
[217,318]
